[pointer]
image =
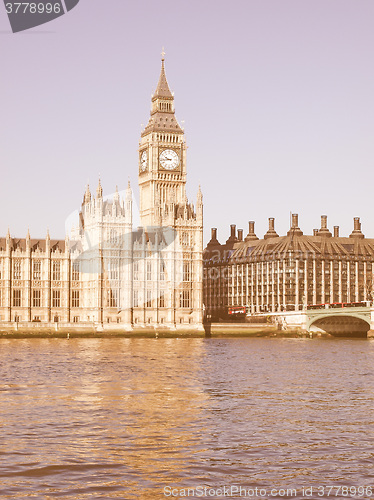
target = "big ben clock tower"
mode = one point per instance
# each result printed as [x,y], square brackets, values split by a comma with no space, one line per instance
[164,204]
[162,158]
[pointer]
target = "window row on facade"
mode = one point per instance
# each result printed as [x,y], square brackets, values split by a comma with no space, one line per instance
[37,298]
[19,272]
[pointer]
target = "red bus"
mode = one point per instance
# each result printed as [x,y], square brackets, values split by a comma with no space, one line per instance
[237,311]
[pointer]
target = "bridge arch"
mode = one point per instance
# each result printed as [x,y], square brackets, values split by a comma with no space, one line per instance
[344,324]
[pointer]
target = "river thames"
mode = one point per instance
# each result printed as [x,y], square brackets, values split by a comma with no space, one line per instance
[160,418]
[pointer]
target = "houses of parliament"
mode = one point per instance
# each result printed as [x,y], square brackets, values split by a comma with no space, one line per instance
[107,275]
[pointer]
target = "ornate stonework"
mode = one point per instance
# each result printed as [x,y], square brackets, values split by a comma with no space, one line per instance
[106,274]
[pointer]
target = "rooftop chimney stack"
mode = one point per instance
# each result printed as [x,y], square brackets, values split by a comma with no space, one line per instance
[271,233]
[213,240]
[232,237]
[356,233]
[251,231]
[324,231]
[315,232]
[295,230]
[240,234]
[336,231]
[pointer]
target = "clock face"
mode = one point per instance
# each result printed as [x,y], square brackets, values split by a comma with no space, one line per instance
[144,161]
[169,159]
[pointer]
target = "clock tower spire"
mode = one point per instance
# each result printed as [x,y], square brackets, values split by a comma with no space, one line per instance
[162,158]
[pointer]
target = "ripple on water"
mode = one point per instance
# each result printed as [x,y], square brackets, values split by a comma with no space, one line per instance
[121,418]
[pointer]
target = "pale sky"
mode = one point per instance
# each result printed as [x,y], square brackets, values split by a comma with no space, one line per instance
[276,97]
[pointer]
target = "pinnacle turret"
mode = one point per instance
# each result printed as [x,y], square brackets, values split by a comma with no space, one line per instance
[87,195]
[199,196]
[99,190]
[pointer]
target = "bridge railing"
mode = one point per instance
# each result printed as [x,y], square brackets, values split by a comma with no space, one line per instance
[339,305]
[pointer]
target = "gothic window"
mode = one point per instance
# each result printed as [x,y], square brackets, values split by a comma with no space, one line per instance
[161,299]
[36,298]
[136,270]
[56,298]
[16,298]
[185,239]
[114,269]
[36,270]
[113,236]
[185,298]
[17,270]
[136,299]
[149,298]
[56,270]
[75,271]
[149,270]
[162,271]
[186,271]
[75,298]
[114,298]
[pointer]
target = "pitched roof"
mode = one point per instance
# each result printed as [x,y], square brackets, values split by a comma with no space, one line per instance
[162,119]
[162,89]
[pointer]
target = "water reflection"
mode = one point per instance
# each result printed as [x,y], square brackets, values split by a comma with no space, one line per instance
[122,418]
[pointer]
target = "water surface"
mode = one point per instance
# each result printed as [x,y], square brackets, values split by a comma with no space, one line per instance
[125,418]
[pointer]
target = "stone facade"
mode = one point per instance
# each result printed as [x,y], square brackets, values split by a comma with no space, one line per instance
[106,274]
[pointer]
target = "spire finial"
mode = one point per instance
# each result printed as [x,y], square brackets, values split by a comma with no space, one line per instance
[163,54]
[87,194]
[99,190]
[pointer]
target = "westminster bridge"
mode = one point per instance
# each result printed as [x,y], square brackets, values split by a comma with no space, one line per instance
[336,319]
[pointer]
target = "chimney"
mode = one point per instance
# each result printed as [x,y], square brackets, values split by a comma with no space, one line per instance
[271,233]
[356,233]
[251,231]
[315,232]
[240,234]
[295,230]
[213,240]
[324,231]
[232,234]
[336,231]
